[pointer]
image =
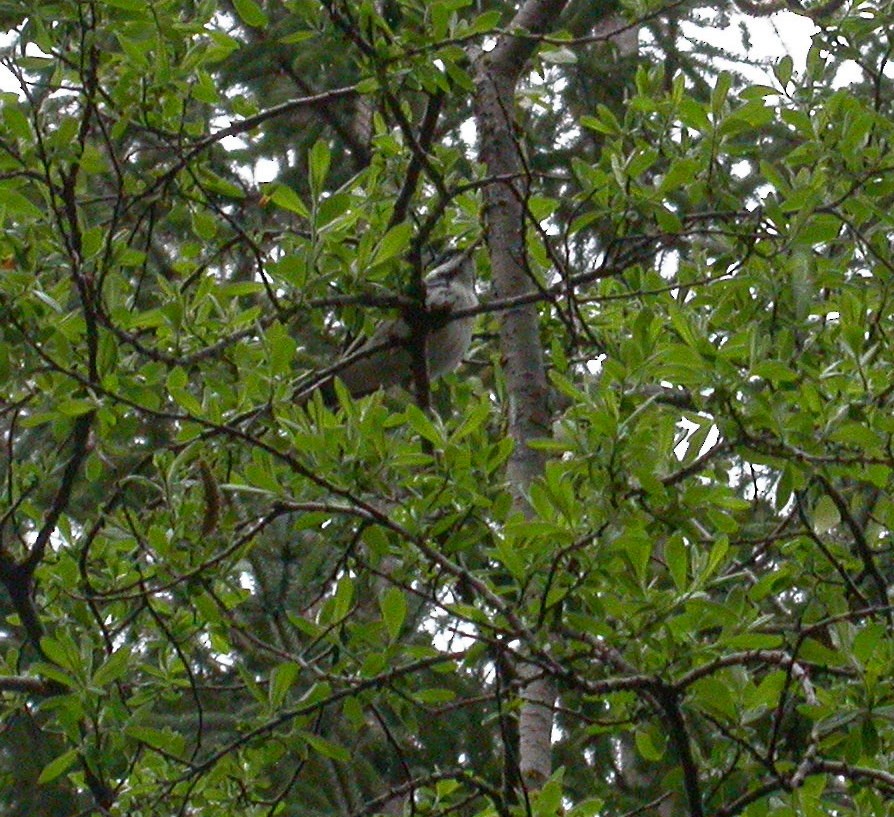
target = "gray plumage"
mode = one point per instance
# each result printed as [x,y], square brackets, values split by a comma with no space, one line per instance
[386,358]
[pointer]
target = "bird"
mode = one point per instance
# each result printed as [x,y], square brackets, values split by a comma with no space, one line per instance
[386,358]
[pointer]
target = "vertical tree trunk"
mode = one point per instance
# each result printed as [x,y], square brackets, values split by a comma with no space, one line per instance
[497,75]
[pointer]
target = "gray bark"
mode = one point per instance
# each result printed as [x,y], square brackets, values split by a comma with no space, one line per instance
[497,75]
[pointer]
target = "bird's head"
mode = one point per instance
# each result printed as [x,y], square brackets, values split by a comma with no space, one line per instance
[454,267]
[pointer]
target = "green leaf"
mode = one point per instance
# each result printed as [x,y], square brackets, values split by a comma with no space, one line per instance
[393,243]
[591,807]
[766,695]
[682,172]
[541,207]
[164,739]
[204,225]
[668,221]
[826,516]
[352,710]
[754,641]
[35,63]
[216,184]
[422,425]
[76,408]
[820,229]
[318,160]
[343,598]
[752,115]
[368,85]
[331,207]
[320,691]
[472,421]
[326,748]
[281,348]
[720,92]
[637,546]
[13,202]
[508,555]
[694,115]
[599,125]
[297,37]
[237,289]
[650,745]
[683,326]
[676,555]
[434,696]
[393,604]
[281,680]
[61,651]
[53,672]
[176,383]
[697,439]
[16,122]
[58,766]
[868,641]
[712,695]
[775,371]
[548,802]
[286,198]
[783,70]
[818,653]
[115,667]
[640,161]
[484,23]
[715,558]
[251,13]
[177,378]
[857,435]
[204,89]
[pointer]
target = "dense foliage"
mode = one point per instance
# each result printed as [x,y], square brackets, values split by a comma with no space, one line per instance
[220,601]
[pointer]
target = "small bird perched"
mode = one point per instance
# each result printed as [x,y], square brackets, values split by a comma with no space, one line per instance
[386,358]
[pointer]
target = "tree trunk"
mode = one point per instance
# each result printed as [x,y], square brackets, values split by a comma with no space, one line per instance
[497,76]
